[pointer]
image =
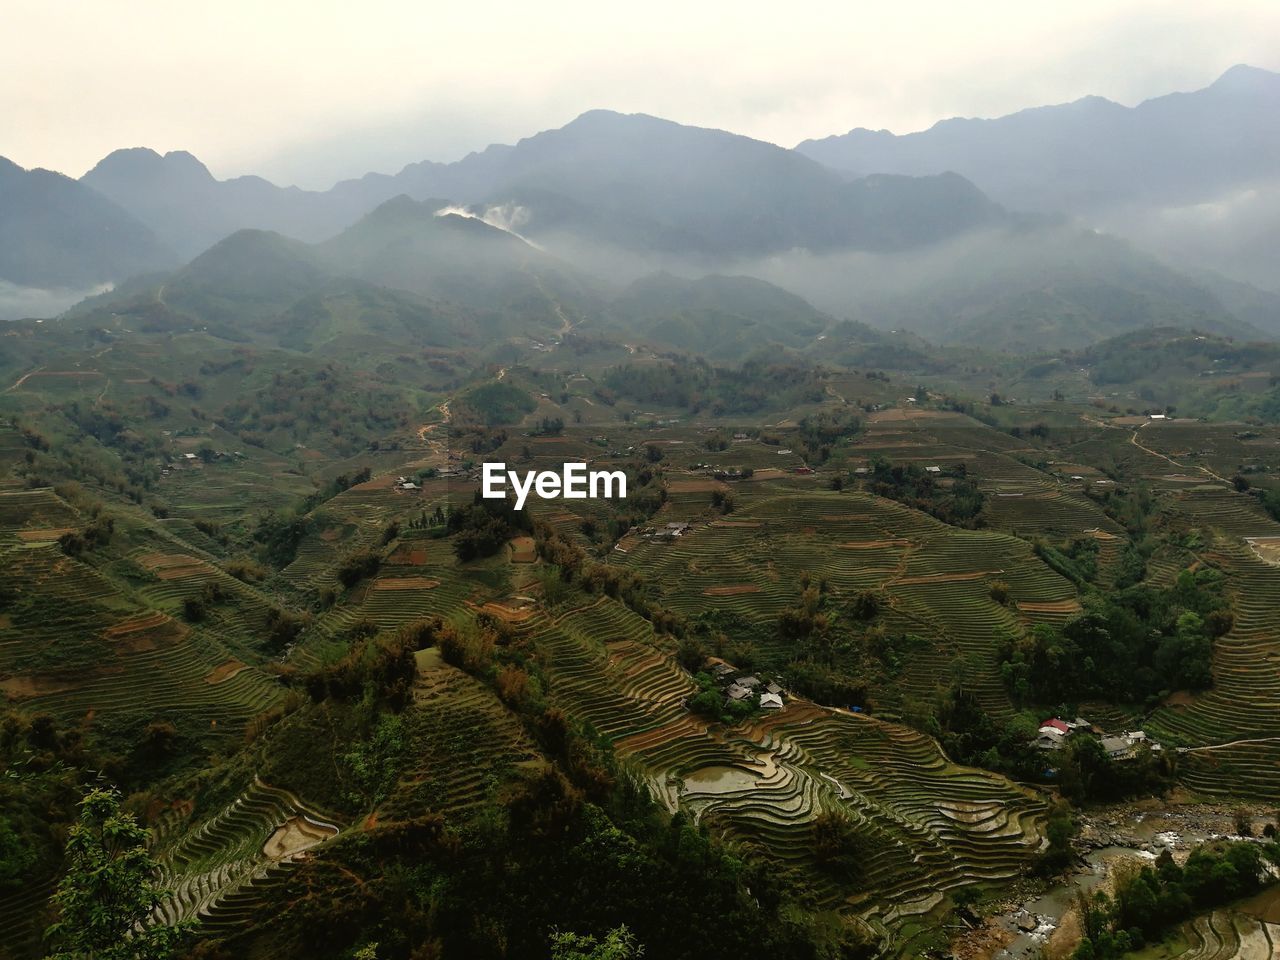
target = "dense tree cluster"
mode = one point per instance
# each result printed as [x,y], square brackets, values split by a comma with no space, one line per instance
[482,527]
[1148,903]
[332,406]
[1128,646]
[952,498]
[696,386]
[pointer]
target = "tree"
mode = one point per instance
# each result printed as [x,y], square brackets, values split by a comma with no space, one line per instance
[618,944]
[109,889]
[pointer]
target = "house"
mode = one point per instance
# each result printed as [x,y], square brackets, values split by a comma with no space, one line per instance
[932,469]
[774,689]
[770,701]
[409,486]
[1061,726]
[737,691]
[1117,748]
[1049,739]
[804,471]
[1158,416]
[861,471]
[188,457]
[721,670]
[749,682]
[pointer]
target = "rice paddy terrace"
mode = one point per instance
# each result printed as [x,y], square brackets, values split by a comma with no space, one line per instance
[1231,734]
[221,869]
[101,640]
[1247,931]
[928,824]
[937,580]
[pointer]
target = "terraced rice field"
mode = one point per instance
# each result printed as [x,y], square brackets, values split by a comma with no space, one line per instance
[466,743]
[81,643]
[937,578]
[1233,730]
[1225,935]
[221,870]
[930,825]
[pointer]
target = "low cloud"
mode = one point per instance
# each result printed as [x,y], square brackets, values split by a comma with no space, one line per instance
[18,303]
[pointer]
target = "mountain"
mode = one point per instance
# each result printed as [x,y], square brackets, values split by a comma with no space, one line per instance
[58,233]
[404,273]
[1193,175]
[717,317]
[635,182]
[1078,157]
[179,199]
[1025,289]
[422,247]
[641,183]
[251,275]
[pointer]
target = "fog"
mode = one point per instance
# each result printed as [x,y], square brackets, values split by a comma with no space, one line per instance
[1236,235]
[18,303]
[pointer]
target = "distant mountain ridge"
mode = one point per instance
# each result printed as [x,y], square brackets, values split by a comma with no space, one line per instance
[633,181]
[1074,157]
[190,210]
[1192,176]
[612,198]
[401,269]
[56,232]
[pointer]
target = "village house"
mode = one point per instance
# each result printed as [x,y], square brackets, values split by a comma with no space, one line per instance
[672,530]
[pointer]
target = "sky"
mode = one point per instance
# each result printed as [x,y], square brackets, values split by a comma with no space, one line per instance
[312,91]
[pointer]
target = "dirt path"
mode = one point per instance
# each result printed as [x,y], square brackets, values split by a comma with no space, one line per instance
[565,323]
[1230,743]
[426,428]
[1155,453]
[23,379]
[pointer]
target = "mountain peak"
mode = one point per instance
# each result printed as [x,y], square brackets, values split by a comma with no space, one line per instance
[145,162]
[1244,78]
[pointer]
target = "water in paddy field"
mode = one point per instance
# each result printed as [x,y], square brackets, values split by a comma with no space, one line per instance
[720,779]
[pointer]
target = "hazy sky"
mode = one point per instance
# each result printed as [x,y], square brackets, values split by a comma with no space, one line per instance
[308,91]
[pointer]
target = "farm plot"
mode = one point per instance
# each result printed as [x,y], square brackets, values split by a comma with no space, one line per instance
[465,743]
[937,578]
[928,824]
[221,870]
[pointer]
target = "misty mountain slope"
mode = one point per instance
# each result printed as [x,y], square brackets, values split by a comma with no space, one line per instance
[718,317]
[404,244]
[401,275]
[1258,308]
[1022,290]
[179,199]
[639,182]
[344,317]
[55,232]
[1194,176]
[251,275]
[1079,156]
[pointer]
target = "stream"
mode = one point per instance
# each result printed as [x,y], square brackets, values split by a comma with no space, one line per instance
[1111,837]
